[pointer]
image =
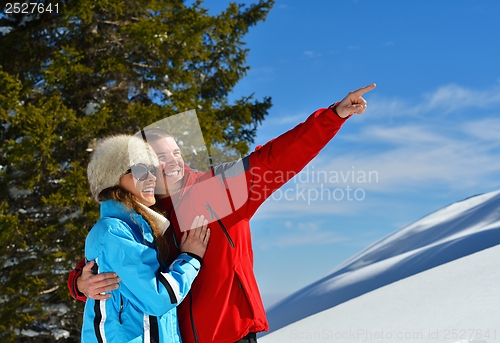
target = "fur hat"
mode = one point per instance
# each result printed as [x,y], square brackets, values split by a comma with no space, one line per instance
[113,157]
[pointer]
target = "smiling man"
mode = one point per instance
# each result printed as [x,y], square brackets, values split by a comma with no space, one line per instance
[224,305]
[171,161]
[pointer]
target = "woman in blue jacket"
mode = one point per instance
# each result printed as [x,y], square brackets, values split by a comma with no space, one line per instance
[121,175]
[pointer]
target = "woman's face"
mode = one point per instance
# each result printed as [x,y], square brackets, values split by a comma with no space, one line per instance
[143,190]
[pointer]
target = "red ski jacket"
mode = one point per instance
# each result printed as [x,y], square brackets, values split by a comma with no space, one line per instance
[224,304]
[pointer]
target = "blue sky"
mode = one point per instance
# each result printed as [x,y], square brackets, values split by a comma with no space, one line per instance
[429,136]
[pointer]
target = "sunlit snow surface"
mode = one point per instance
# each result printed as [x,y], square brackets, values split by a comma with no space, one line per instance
[455,302]
[455,231]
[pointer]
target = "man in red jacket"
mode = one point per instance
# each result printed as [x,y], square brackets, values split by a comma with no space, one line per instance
[225,304]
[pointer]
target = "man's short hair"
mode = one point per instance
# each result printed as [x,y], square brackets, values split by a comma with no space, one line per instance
[153,134]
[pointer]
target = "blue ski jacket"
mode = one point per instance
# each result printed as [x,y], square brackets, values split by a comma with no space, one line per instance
[143,308]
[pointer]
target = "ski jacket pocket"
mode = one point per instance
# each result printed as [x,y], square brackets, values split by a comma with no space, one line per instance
[252,308]
[245,288]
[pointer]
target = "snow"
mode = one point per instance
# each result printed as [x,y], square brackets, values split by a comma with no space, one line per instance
[419,250]
[58,334]
[5,29]
[72,215]
[12,261]
[29,333]
[90,108]
[57,309]
[16,193]
[455,302]
[28,18]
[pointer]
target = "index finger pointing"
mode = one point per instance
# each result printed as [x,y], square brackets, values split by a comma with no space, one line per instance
[361,91]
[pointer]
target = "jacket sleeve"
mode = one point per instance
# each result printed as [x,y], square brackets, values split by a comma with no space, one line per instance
[73,289]
[148,288]
[270,166]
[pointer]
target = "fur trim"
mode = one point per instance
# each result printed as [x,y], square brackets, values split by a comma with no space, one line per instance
[162,222]
[113,157]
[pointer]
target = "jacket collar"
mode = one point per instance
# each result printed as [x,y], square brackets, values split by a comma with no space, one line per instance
[114,209]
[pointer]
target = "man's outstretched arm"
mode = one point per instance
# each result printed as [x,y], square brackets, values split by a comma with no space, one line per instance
[82,283]
[274,163]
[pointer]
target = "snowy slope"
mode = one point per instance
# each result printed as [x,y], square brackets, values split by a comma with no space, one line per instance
[455,302]
[455,231]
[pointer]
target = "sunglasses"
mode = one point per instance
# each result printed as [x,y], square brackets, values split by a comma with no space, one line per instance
[141,171]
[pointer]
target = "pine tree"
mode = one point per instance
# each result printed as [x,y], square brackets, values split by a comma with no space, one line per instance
[71,76]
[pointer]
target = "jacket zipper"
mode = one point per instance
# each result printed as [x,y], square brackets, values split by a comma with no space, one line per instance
[214,215]
[195,335]
[121,310]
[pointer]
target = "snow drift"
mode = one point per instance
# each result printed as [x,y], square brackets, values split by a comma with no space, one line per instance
[458,302]
[458,230]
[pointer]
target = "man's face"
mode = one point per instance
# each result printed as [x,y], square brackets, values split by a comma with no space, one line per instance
[171,164]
